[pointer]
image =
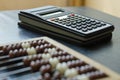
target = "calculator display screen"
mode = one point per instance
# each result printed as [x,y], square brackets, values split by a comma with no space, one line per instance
[50,13]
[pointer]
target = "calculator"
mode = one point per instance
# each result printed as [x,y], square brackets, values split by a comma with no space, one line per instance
[65,24]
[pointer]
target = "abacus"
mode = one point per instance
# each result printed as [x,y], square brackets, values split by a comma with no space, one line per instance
[45,59]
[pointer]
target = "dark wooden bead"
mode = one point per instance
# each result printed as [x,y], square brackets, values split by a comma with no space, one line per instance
[18,46]
[26,61]
[44,62]
[24,52]
[45,45]
[34,43]
[56,75]
[7,49]
[47,76]
[37,49]
[20,51]
[11,54]
[15,52]
[34,66]
[39,42]
[43,69]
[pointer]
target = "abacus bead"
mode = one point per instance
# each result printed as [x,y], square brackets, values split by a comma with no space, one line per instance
[61,67]
[73,63]
[34,43]
[45,45]
[45,50]
[13,46]
[56,75]
[47,76]
[62,59]
[15,52]
[43,69]
[37,49]
[38,64]
[44,62]
[53,51]
[34,57]
[59,53]
[49,50]
[70,73]
[33,66]
[70,65]
[58,49]
[48,67]
[18,45]
[55,55]
[64,53]
[25,45]
[8,48]
[46,56]
[43,41]
[24,51]
[26,61]
[11,54]
[53,62]
[20,52]
[39,56]
[67,73]
[82,77]
[41,49]
[50,45]
[39,42]
[31,51]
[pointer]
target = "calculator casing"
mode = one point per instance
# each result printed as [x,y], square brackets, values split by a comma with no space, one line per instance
[36,19]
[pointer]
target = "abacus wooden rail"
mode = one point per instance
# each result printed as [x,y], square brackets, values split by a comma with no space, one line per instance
[111,75]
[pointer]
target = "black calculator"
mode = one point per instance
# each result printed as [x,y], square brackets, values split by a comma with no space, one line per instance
[65,24]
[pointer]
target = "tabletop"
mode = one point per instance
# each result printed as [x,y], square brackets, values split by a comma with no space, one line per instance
[107,54]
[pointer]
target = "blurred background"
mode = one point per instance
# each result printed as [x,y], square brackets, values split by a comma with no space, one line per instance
[108,6]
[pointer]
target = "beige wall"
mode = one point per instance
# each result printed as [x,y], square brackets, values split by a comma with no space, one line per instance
[23,4]
[109,6]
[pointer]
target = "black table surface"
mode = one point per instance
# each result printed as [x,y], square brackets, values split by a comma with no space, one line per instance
[107,54]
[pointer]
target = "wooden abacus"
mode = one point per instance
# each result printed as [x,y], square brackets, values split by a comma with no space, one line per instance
[45,59]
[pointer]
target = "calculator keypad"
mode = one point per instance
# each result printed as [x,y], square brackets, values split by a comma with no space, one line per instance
[79,23]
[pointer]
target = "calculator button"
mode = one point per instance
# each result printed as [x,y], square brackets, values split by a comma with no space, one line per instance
[89,25]
[94,26]
[93,23]
[84,29]
[74,22]
[79,20]
[78,24]
[103,24]
[84,26]
[68,24]
[92,20]
[73,26]
[83,23]
[63,23]
[99,25]
[89,28]
[78,27]
[88,21]
[83,20]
